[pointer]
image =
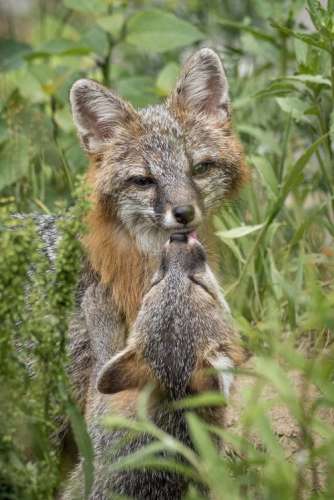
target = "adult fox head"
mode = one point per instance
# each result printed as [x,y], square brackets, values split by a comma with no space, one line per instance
[163,168]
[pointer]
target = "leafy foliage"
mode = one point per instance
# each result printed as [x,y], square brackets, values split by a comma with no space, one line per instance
[276,243]
[35,302]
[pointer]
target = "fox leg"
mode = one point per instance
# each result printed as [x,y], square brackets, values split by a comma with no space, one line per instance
[106,329]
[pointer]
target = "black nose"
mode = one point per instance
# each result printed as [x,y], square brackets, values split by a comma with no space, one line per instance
[184,214]
[181,237]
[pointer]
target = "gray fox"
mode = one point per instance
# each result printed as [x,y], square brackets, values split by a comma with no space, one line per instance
[153,172]
[183,331]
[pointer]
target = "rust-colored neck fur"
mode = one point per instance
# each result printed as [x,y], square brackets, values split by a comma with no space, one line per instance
[114,255]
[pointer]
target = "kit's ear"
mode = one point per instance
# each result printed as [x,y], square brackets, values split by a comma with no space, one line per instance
[202,86]
[214,374]
[124,371]
[98,113]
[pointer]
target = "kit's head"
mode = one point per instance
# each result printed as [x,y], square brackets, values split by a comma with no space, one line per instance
[181,328]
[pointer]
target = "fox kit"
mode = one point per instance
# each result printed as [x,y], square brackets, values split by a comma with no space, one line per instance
[182,332]
[153,172]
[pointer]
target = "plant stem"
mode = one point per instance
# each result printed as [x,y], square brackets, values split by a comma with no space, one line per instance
[324,129]
[105,66]
[324,172]
[106,63]
[283,55]
[332,74]
[250,256]
[331,140]
[55,134]
[285,147]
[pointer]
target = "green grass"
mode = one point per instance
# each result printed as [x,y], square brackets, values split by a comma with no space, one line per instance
[276,241]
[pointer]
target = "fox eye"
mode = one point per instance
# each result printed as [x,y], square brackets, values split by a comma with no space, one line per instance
[141,181]
[201,168]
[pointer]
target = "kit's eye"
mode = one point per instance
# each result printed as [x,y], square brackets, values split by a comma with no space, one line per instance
[141,181]
[201,168]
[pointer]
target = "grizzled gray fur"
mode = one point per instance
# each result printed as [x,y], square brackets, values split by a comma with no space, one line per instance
[183,329]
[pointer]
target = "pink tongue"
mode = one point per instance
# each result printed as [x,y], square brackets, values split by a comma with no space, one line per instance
[193,234]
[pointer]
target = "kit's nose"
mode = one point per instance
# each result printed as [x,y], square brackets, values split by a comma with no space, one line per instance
[184,214]
[180,237]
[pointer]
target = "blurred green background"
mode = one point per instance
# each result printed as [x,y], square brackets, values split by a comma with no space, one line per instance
[276,241]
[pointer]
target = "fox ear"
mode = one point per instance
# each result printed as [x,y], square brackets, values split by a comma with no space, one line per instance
[97,114]
[224,365]
[214,374]
[124,371]
[203,87]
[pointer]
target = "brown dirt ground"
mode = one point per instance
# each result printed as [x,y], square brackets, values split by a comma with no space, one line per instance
[283,423]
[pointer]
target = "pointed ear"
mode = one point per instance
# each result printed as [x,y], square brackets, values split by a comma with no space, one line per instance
[214,374]
[203,87]
[124,371]
[97,114]
[224,366]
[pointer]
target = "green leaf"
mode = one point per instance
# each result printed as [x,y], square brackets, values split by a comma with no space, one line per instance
[84,444]
[64,120]
[331,129]
[4,132]
[214,472]
[139,90]
[294,106]
[12,54]
[300,51]
[96,39]
[233,247]
[59,47]
[317,14]
[150,457]
[87,6]
[266,171]
[112,24]
[239,232]
[293,176]
[315,79]
[201,438]
[275,278]
[29,87]
[14,161]
[310,39]
[306,223]
[265,52]
[283,287]
[167,78]
[260,35]
[276,88]
[201,400]
[158,31]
